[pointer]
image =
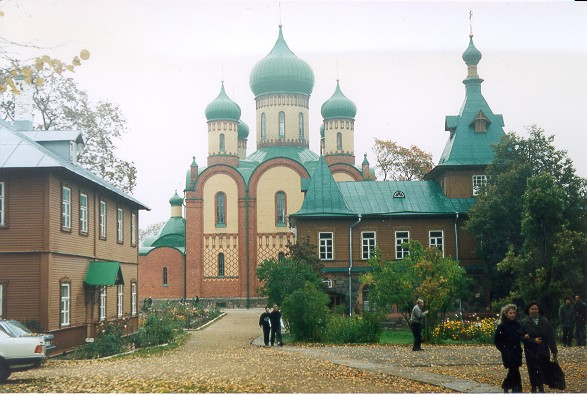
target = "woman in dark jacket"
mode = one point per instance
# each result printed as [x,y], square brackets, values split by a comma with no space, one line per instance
[507,339]
[539,342]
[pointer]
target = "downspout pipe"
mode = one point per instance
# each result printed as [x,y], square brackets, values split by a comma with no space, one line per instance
[247,226]
[351,264]
[457,258]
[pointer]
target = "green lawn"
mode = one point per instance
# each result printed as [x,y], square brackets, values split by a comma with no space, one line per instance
[399,337]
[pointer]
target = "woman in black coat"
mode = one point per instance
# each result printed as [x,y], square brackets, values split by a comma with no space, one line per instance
[507,339]
[539,342]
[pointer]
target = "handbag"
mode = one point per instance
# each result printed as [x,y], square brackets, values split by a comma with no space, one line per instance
[555,377]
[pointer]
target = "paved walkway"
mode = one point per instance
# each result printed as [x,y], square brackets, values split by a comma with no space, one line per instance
[226,357]
[395,361]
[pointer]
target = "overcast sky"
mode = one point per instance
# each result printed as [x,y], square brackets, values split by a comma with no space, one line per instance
[400,62]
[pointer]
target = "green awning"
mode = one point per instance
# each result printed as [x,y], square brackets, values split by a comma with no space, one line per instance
[104,273]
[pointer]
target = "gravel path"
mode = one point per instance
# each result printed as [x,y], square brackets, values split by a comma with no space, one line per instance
[221,358]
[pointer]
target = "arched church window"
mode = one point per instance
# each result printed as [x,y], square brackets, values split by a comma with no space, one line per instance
[280,209]
[220,209]
[165,276]
[338,141]
[263,126]
[301,125]
[222,147]
[221,265]
[281,125]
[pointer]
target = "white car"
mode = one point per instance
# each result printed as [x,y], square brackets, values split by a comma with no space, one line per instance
[19,353]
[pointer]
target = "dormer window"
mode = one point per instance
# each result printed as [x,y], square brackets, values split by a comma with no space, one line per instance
[399,194]
[481,122]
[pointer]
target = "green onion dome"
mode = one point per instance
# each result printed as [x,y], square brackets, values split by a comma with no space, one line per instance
[338,106]
[281,72]
[243,130]
[472,55]
[223,108]
[175,200]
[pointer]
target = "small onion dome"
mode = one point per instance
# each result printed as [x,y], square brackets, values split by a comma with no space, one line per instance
[322,130]
[243,130]
[223,108]
[472,55]
[365,161]
[175,200]
[281,72]
[338,106]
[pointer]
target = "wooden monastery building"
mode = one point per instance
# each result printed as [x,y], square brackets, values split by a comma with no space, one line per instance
[68,239]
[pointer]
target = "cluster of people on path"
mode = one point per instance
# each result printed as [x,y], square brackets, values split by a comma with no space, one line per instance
[537,335]
[573,316]
[534,333]
[271,323]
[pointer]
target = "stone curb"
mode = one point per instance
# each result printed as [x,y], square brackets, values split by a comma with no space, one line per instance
[415,374]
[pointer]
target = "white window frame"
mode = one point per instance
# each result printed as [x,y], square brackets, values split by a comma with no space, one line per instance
[102,218]
[263,126]
[120,300]
[2,207]
[133,229]
[66,207]
[436,240]
[133,298]
[65,293]
[119,225]
[301,125]
[479,181]
[326,245]
[103,300]
[83,213]
[401,236]
[368,243]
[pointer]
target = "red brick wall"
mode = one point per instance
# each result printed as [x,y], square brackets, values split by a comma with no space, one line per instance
[151,274]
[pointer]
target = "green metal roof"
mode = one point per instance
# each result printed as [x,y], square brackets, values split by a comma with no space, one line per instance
[400,198]
[243,130]
[172,234]
[305,157]
[175,200]
[281,72]
[327,198]
[323,197]
[465,146]
[223,108]
[338,106]
[104,273]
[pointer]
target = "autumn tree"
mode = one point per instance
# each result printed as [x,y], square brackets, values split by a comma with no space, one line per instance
[497,217]
[59,104]
[424,273]
[395,162]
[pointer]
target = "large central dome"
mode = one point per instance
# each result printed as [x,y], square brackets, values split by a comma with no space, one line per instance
[281,72]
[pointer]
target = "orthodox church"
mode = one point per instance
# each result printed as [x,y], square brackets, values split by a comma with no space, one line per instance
[243,209]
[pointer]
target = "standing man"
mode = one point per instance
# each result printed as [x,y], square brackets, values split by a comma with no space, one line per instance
[275,318]
[566,317]
[580,316]
[264,322]
[416,320]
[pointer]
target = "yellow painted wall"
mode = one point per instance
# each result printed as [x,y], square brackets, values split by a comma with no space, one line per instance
[332,127]
[229,129]
[220,183]
[291,105]
[275,180]
[342,177]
